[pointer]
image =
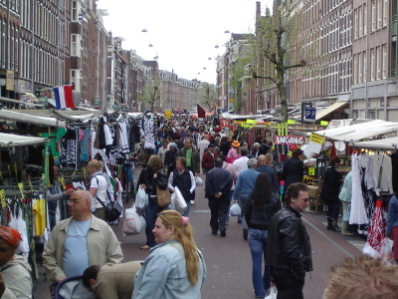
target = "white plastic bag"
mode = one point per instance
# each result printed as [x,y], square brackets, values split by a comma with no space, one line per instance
[273,293]
[133,223]
[141,199]
[387,254]
[235,209]
[198,181]
[179,202]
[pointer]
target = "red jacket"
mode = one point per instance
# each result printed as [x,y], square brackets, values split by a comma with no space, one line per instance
[208,160]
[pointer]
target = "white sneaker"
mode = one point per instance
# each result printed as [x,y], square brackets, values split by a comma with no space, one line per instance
[192,202]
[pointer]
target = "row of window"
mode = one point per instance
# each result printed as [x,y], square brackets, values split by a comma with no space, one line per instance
[378,65]
[9,46]
[47,69]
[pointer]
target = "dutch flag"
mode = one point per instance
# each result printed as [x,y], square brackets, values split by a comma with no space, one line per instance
[64,97]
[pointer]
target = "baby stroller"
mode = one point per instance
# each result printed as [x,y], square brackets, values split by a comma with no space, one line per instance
[70,288]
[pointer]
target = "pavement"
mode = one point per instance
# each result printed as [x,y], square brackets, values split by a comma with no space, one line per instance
[228,259]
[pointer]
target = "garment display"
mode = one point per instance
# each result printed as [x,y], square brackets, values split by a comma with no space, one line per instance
[149,137]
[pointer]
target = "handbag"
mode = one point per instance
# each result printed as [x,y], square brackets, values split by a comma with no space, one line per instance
[163,197]
[178,200]
[113,210]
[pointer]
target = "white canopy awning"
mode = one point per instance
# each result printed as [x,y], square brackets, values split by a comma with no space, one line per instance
[11,140]
[360,131]
[379,144]
[332,108]
[31,119]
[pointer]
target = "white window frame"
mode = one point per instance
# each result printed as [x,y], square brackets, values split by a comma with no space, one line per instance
[372,65]
[384,62]
[374,15]
[355,69]
[385,12]
[378,63]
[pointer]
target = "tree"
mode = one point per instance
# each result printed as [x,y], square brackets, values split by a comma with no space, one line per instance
[152,92]
[279,47]
[207,95]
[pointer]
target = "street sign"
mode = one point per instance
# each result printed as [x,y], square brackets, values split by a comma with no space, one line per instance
[225,123]
[309,114]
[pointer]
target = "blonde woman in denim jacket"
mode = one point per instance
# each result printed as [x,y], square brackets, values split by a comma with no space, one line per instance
[175,269]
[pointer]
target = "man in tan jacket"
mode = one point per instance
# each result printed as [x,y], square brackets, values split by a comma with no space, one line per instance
[80,241]
[111,281]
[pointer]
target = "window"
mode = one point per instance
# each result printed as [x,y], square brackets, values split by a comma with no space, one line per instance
[360,66]
[360,21]
[365,19]
[385,12]
[379,13]
[75,11]
[356,26]
[378,63]
[355,69]
[384,62]
[75,45]
[373,15]
[372,65]
[365,67]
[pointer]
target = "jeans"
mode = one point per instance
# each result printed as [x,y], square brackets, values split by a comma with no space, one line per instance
[231,192]
[289,287]
[186,212]
[242,204]
[151,214]
[333,210]
[218,208]
[257,240]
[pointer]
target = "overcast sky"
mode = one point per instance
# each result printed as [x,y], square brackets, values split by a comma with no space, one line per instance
[183,33]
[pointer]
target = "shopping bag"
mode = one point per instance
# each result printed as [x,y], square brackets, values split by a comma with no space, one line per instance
[141,199]
[198,181]
[235,209]
[133,223]
[179,201]
[273,293]
[387,255]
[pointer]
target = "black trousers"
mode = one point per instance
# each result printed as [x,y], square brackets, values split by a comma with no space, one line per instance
[218,211]
[333,210]
[289,287]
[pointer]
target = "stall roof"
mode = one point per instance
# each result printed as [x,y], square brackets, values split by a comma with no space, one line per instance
[379,144]
[324,113]
[11,140]
[27,116]
[248,116]
[360,131]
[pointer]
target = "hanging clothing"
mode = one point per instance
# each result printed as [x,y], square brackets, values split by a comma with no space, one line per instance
[358,212]
[149,137]
[382,167]
[123,142]
[85,145]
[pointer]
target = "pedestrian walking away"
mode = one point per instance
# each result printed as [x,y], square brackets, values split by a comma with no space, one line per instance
[262,203]
[218,185]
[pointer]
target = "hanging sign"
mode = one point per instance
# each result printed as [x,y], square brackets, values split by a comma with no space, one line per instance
[289,139]
[225,123]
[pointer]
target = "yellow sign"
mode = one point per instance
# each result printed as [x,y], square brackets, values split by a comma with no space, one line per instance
[3,199]
[324,123]
[291,121]
[317,138]
[168,114]
[231,100]
[10,80]
[311,171]
[20,186]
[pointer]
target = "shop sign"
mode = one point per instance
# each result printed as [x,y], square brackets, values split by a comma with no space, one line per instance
[10,80]
[289,139]
[225,123]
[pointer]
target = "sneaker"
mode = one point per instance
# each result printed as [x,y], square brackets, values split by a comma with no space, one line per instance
[192,202]
[223,233]
[245,233]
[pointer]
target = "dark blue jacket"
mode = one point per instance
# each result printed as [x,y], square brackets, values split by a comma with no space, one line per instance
[218,180]
[271,174]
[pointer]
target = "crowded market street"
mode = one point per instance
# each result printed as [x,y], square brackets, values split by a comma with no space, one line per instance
[228,259]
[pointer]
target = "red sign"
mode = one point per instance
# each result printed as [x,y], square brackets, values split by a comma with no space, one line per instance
[289,139]
[225,123]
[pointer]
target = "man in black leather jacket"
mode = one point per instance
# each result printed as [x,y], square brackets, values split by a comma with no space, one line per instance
[289,247]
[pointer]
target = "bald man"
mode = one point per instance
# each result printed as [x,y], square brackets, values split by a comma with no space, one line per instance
[264,168]
[80,241]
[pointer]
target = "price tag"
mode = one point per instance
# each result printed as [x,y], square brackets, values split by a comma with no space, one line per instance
[311,171]
[20,186]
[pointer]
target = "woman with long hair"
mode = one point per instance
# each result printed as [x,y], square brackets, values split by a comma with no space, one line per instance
[151,177]
[263,203]
[175,268]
